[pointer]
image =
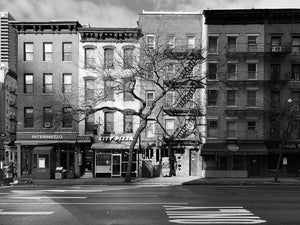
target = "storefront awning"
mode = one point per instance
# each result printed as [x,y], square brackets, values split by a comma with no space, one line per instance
[43,142]
[236,149]
[42,149]
[110,146]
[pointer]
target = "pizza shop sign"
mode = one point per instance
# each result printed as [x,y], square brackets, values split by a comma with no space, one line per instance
[115,138]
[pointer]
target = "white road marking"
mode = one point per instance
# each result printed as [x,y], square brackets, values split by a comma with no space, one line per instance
[72,190]
[2,213]
[211,215]
[91,203]
[45,197]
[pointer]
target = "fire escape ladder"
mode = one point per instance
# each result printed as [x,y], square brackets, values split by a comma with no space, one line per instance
[188,94]
[186,126]
[189,68]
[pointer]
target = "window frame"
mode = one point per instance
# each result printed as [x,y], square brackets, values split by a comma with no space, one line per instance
[150,127]
[67,120]
[109,93]
[172,123]
[128,123]
[210,128]
[66,55]
[26,53]
[251,101]
[191,45]
[234,123]
[150,45]
[212,102]
[27,84]
[214,71]
[47,53]
[149,101]
[109,58]
[109,124]
[89,58]
[128,58]
[232,75]
[212,49]
[89,93]
[47,86]
[231,47]
[47,117]
[28,120]
[250,72]
[231,98]
[295,47]
[67,86]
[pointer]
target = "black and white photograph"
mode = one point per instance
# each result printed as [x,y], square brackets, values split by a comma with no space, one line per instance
[149,112]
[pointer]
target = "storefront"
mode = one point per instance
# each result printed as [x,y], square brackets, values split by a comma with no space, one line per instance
[40,153]
[233,160]
[111,156]
[290,162]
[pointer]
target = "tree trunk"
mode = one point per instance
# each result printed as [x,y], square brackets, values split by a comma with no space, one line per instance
[131,148]
[278,166]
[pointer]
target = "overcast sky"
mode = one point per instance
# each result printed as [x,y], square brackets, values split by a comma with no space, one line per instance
[121,13]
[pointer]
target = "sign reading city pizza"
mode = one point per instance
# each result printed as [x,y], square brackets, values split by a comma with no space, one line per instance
[115,138]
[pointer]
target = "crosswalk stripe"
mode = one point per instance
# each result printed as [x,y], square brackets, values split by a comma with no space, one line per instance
[211,215]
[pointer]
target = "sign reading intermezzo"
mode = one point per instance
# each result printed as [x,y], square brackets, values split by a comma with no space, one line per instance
[46,136]
[115,138]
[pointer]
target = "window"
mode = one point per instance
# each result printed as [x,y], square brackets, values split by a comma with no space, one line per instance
[231,97]
[149,71]
[28,117]
[150,41]
[89,89]
[170,97]
[231,129]
[295,96]
[67,117]
[252,43]
[295,72]
[149,98]
[128,58]
[127,88]
[295,130]
[276,44]
[231,43]
[251,70]
[90,124]
[48,117]
[212,71]
[231,69]
[108,122]
[150,129]
[191,42]
[170,71]
[67,83]
[212,96]
[251,98]
[212,44]
[67,51]
[275,71]
[47,54]
[28,83]
[251,127]
[28,51]
[212,128]
[109,90]
[295,44]
[274,129]
[108,58]
[170,126]
[89,58]
[128,124]
[171,41]
[275,99]
[47,83]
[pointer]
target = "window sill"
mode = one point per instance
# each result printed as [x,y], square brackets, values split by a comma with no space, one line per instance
[231,138]
[212,138]
[231,106]
[213,53]
[212,106]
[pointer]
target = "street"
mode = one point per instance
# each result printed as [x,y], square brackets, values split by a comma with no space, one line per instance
[149,204]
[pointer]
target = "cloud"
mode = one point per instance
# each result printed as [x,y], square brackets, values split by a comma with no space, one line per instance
[120,13]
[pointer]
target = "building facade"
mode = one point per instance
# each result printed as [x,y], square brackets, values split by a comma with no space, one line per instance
[47,135]
[250,70]
[174,144]
[8,90]
[108,58]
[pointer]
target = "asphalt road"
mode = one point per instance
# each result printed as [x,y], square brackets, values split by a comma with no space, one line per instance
[149,205]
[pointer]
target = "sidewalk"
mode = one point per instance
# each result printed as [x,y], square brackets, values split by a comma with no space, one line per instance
[191,180]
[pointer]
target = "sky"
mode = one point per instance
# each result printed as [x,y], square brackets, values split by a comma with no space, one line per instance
[121,13]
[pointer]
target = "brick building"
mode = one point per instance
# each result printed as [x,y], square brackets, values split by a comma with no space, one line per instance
[177,36]
[47,135]
[251,67]
[8,87]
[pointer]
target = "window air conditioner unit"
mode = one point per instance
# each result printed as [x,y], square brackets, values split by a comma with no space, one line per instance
[276,48]
[47,124]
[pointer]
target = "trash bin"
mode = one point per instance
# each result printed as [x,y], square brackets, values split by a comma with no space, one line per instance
[58,173]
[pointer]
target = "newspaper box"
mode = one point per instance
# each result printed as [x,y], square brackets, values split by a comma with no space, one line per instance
[59,173]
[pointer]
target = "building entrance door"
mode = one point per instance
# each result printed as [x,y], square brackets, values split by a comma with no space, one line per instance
[116,165]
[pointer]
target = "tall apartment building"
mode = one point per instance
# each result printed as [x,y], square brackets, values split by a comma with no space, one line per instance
[252,66]
[8,87]
[176,147]
[107,57]
[47,135]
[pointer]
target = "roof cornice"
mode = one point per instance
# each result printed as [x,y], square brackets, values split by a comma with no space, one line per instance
[68,27]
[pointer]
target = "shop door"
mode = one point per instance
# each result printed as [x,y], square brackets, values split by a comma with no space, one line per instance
[116,165]
[193,163]
[255,166]
[103,163]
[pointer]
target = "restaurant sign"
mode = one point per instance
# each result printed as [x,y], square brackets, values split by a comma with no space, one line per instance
[115,138]
[46,136]
[292,145]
